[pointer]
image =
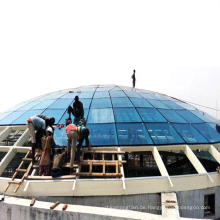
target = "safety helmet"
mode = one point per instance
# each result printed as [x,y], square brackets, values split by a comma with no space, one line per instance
[50,130]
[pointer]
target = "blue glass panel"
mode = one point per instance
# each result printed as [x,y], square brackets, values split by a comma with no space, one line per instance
[150,115]
[43,104]
[4,114]
[10,118]
[158,104]
[86,102]
[133,134]
[102,134]
[46,96]
[211,134]
[28,106]
[158,97]
[23,118]
[126,115]
[101,116]
[132,94]
[140,102]
[66,115]
[117,94]
[213,125]
[172,116]
[172,105]
[69,95]
[121,102]
[189,116]
[116,89]
[61,104]
[202,116]
[101,103]
[190,134]
[60,137]
[186,106]
[101,95]
[163,134]
[146,95]
[86,95]
[57,95]
[57,114]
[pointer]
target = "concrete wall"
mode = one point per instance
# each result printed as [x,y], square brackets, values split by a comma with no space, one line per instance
[196,198]
[148,203]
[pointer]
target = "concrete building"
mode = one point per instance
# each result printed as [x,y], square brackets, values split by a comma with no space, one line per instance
[166,148]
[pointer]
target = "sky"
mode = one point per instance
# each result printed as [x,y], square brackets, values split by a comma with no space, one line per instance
[173,45]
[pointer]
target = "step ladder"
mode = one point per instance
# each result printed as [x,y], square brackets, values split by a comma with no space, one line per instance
[104,163]
[20,170]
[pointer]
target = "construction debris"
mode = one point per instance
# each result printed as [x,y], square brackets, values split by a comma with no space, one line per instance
[32,202]
[55,205]
[65,207]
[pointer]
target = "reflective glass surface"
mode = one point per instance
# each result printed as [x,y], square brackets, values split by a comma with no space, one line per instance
[102,134]
[190,134]
[60,137]
[57,114]
[101,116]
[119,111]
[133,134]
[158,104]
[172,116]
[172,105]
[187,115]
[44,104]
[211,134]
[11,117]
[126,115]
[101,103]
[163,134]
[151,115]
[61,104]
[23,118]
[121,102]
[103,94]
[137,102]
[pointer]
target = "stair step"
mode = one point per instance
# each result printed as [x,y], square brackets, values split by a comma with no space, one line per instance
[27,159]
[21,170]
[14,182]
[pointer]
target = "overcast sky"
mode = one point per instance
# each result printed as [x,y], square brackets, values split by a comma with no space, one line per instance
[52,45]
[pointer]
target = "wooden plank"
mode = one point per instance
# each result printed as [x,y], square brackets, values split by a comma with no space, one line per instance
[32,202]
[103,167]
[99,174]
[90,167]
[55,205]
[82,155]
[21,170]
[113,156]
[50,177]
[116,165]
[14,182]
[107,163]
[27,159]
[65,207]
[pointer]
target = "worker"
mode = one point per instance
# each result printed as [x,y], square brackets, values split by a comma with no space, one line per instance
[218,128]
[72,137]
[133,80]
[35,123]
[47,146]
[49,121]
[77,110]
[83,134]
[57,163]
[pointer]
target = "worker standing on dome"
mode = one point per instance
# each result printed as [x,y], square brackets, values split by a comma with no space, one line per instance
[47,146]
[72,137]
[77,110]
[35,123]
[133,80]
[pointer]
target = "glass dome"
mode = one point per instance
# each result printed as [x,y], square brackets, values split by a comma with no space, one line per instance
[118,116]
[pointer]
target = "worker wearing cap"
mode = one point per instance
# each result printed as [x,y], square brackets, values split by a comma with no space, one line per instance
[77,110]
[35,123]
[47,146]
[72,137]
